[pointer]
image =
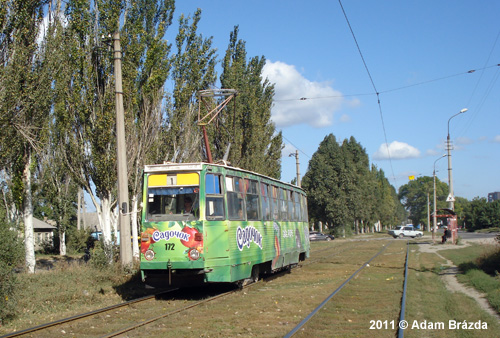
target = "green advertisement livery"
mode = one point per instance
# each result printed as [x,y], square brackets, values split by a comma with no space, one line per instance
[208,223]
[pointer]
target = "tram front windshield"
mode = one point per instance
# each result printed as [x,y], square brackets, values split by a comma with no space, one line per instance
[173,204]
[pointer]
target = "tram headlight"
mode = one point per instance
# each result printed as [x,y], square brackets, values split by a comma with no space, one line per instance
[149,255]
[194,254]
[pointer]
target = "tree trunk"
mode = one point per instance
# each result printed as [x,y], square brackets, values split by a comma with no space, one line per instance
[133,220]
[62,243]
[78,209]
[104,214]
[29,240]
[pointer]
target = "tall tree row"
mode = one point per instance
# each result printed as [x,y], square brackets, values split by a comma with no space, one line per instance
[345,192]
[57,104]
[25,101]
[145,71]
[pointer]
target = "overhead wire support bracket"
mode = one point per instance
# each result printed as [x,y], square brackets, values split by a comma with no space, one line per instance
[211,114]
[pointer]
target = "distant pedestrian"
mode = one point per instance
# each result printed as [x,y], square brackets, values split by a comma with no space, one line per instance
[446,235]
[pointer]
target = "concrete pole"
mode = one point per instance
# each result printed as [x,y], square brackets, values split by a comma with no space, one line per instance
[435,211]
[451,196]
[451,205]
[298,167]
[296,155]
[434,214]
[123,209]
[428,214]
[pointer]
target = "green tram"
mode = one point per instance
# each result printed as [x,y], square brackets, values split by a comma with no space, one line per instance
[211,223]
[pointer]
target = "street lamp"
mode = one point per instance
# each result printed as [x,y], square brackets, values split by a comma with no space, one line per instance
[451,198]
[435,211]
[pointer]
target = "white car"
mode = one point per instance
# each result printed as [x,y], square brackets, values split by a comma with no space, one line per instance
[405,231]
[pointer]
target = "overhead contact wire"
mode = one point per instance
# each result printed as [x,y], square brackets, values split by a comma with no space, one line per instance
[374,88]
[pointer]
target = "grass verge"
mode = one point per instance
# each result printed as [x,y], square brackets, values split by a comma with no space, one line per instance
[480,265]
[430,303]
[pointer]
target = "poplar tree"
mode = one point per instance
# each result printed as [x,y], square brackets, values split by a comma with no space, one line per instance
[247,125]
[84,103]
[25,99]
[193,70]
[146,67]
[342,189]
[325,185]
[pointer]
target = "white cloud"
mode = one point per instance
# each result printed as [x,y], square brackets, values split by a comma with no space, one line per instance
[397,151]
[317,110]
[345,118]
[432,152]
[464,140]
[496,139]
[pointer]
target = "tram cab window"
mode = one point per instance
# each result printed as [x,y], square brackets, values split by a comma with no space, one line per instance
[172,204]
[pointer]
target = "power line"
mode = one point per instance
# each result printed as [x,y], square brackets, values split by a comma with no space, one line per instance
[393,89]
[374,88]
[487,92]
[294,145]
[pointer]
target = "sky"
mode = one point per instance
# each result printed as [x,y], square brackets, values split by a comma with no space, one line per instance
[427,60]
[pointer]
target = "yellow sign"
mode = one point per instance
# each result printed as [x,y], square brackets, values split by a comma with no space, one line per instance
[411,178]
[157,180]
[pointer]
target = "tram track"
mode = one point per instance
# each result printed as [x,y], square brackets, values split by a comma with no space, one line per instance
[42,330]
[82,315]
[183,303]
[398,331]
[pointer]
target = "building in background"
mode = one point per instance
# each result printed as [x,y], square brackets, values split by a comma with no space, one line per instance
[493,196]
[44,232]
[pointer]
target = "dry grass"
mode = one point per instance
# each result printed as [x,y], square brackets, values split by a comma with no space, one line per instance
[273,308]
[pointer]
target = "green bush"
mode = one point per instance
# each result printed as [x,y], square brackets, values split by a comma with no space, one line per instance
[79,240]
[11,256]
[490,263]
[102,256]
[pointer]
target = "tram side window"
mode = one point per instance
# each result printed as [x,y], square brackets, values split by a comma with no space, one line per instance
[275,203]
[283,205]
[235,210]
[252,201]
[266,202]
[291,209]
[214,199]
[303,205]
[297,215]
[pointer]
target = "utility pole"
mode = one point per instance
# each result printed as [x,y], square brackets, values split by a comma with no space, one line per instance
[123,210]
[435,211]
[428,214]
[451,197]
[296,155]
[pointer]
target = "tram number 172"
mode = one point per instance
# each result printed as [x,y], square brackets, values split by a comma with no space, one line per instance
[170,246]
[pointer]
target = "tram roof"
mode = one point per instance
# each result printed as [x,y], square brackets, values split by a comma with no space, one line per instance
[172,166]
